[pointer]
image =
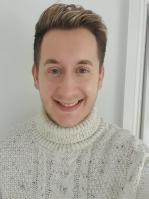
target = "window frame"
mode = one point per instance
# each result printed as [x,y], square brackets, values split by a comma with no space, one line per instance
[137,23]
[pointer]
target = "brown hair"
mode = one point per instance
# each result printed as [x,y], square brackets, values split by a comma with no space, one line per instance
[63,16]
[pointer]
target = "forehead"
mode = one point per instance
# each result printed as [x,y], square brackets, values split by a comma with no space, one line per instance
[76,34]
[76,43]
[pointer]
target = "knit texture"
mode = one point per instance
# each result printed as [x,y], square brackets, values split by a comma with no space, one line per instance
[94,159]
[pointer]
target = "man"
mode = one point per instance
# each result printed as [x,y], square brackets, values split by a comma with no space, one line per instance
[67,151]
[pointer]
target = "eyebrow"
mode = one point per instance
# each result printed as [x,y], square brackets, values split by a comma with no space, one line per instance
[85,61]
[54,61]
[51,61]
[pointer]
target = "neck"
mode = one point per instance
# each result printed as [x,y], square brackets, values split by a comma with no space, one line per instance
[51,133]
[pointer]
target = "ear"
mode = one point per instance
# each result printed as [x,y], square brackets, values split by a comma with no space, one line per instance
[101,76]
[35,76]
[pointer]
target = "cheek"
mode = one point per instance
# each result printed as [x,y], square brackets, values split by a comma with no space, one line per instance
[46,88]
[90,87]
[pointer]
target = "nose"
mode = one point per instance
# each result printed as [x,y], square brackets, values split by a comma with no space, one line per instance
[68,86]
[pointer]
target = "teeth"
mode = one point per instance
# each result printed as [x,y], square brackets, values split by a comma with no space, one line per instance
[69,104]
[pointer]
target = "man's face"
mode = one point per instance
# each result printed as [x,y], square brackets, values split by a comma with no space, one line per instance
[69,76]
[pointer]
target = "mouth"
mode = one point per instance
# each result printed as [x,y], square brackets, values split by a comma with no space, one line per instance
[71,106]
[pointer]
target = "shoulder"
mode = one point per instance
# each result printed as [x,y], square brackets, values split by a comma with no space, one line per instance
[18,140]
[16,154]
[127,156]
[114,135]
[117,144]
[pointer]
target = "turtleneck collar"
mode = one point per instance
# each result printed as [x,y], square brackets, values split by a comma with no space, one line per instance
[47,132]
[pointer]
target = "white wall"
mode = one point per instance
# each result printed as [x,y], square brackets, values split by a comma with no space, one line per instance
[19,100]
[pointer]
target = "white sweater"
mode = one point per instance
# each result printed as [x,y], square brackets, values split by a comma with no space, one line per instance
[94,160]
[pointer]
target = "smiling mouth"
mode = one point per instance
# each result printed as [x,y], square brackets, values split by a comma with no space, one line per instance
[69,106]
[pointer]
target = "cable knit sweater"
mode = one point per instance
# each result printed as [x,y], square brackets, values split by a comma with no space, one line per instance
[93,160]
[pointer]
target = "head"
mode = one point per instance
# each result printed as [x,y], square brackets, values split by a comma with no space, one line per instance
[69,50]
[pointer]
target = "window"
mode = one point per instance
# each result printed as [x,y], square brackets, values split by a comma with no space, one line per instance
[136,96]
[145,91]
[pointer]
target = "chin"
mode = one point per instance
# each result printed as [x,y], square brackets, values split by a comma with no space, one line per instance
[66,119]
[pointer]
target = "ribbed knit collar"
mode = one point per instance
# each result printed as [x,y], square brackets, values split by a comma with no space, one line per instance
[47,132]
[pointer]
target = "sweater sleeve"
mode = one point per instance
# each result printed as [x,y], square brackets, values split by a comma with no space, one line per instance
[143,186]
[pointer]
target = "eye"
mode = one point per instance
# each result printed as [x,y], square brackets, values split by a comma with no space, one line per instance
[82,70]
[54,71]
